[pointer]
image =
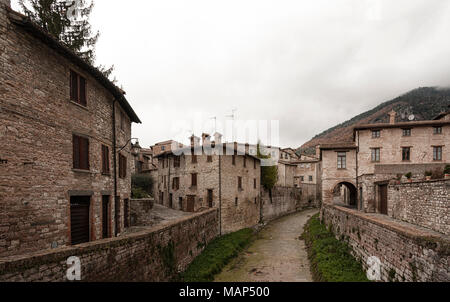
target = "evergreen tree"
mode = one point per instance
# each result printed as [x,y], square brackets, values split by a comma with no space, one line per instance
[67,21]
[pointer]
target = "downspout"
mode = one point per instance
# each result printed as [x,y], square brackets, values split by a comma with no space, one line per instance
[115,163]
[357,181]
[220,195]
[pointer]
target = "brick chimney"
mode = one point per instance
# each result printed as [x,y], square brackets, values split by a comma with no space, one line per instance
[195,141]
[392,116]
[206,139]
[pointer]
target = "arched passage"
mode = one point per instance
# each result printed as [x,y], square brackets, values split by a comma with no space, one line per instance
[345,193]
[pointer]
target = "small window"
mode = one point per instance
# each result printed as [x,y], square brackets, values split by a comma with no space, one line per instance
[163,148]
[239,182]
[122,166]
[176,183]
[245,161]
[437,153]
[406,154]
[254,183]
[302,178]
[376,154]
[180,203]
[342,160]
[437,130]
[236,201]
[310,178]
[78,89]
[210,198]
[233,160]
[105,159]
[80,153]
[406,132]
[209,159]
[376,133]
[194,179]
[176,162]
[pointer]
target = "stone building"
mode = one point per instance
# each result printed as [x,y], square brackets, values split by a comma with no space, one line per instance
[65,155]
[382,153]
[164,147]
[212,175]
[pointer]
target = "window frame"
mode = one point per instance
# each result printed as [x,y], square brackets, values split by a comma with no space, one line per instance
[77,156]
[123,166]
[375,155]
[105,160]
[408,154]
[194,179]
[407,132]
[437,130]
[376,134]
[437,153]
[77,94]
[341,160]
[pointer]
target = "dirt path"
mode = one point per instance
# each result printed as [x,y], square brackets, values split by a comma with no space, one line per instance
[277,255]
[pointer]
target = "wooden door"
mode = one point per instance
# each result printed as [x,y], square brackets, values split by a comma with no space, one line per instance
[79,219]
[105,215]
[383,199]
[190,203]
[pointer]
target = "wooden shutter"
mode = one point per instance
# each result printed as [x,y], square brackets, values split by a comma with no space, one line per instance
[194,179]
[79,219]
[73,86]
[82,96]
[84,153]
[76,152]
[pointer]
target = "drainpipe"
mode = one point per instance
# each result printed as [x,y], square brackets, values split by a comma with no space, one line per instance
[115,162]
[220,195]
[357,181]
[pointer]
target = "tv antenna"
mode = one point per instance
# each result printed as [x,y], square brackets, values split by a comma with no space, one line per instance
[233,113]
[215,123]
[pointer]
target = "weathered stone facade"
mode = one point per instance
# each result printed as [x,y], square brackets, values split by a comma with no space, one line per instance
[153,255]
[407,253]
[426,204]
[217,185]
[37,124]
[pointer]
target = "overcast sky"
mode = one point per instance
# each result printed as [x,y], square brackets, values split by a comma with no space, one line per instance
[309,64]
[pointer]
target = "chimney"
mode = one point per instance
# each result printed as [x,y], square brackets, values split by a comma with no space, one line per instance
[218,138]
[195,141]
[392,116]
[318,151]
[206,139]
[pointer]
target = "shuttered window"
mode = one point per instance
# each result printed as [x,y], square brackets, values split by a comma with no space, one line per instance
[80,152]
[78,91]
[194,179]
[239,182]
[122,166]
[105,159]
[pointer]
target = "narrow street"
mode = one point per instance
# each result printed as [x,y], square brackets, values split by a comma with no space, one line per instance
[277,255]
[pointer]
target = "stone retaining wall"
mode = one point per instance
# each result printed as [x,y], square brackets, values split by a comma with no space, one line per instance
[156,254]
[406,252]
[140,212]
[425,204]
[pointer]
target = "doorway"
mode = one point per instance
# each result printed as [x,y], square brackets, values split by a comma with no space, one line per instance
[105,216]
[190,203]
[383,205]
[79,219]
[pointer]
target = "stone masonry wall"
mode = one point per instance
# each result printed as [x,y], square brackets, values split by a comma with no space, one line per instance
[407,253]
[156,254]
[285,200]
[425,204]
[140,210]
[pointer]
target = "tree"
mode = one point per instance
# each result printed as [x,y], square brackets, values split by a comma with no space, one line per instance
[67,21]
[269,174]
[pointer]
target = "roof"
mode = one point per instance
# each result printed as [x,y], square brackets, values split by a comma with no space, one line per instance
[401,125]
[334,146]
[35,30]
[170,152]
[441,116]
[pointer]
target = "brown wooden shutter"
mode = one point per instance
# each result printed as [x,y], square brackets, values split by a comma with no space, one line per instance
[73,86]
[82,97]
[76,152]
[194,179]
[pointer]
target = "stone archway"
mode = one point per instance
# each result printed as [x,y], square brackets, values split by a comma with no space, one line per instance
[345,193]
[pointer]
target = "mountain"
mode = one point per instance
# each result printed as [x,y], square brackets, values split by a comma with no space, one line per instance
[423,103]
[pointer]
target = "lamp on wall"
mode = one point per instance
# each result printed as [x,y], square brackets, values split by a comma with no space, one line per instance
[135,148]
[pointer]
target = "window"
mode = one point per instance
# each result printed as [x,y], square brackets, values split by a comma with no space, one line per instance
[122,166]
[180,203]
[176,183]
[437,153]
[105,159]
[176,162]
[302,178]
[161,197]
[236,201]
[163,148]
[406,132]
[239,183]
[210,198]
[310,178]
[406,153]
[376,133]
[245,161]
[254,183]
[233,159]
[194,179]
[209,158]
[256,200]
[342,160]
[376,154]
[78,89]
[254,163]
[437,130]
[80,153]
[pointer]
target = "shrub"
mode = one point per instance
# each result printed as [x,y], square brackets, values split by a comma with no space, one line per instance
[437,174]
[447,169]
[269,174]
[408,175]
[428,173]
[142,181]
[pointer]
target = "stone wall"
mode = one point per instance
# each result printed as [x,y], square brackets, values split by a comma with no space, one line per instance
[156,254]
[140,212]
[406,252]
[425,204]
[37,124]
[286,200]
